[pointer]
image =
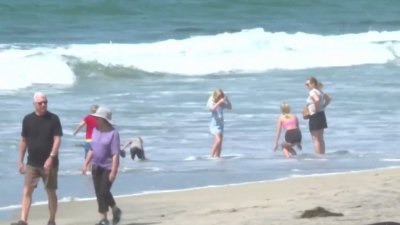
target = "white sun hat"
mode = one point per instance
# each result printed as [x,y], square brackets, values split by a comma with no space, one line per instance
[105,113]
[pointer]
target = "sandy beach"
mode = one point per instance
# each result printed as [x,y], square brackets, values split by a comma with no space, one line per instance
[362,197]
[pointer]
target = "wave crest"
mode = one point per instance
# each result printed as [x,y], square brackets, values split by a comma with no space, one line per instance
[247,51]
[22,68]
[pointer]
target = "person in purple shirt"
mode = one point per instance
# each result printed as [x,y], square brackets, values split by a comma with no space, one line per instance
[104,157]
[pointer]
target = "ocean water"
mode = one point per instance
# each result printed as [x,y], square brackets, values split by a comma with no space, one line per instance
[155,63]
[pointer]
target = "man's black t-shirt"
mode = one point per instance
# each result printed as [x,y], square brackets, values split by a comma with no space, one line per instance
[39,132]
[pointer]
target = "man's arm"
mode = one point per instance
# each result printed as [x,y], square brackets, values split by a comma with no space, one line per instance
[22,151]
[56,146]
[54,152]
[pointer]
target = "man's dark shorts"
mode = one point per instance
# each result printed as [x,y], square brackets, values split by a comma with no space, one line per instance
[33,174]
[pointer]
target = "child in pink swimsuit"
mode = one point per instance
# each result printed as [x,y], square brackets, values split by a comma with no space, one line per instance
[290,123]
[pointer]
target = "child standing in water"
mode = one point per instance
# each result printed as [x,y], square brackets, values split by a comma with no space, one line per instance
[216,104]
[90,122]
[290,123]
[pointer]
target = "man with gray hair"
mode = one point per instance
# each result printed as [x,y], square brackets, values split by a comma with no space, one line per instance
[41,136]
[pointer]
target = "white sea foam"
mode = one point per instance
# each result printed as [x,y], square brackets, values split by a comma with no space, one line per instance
[22,68]
[390,160]
[208,157]
[65,199]
[248,51]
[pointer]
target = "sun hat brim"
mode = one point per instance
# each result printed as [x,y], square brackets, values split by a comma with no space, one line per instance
[103,113]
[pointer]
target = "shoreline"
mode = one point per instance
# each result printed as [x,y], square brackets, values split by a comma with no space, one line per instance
[83,199]
[364,197]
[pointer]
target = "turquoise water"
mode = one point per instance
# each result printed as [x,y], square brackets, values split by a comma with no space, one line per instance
[155,63]
[137,21]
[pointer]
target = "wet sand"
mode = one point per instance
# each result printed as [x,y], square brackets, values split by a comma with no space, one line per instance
[362,197]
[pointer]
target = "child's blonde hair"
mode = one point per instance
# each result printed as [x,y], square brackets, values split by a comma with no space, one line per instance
[94,108]
[285,108]
[217,92]
[139,140]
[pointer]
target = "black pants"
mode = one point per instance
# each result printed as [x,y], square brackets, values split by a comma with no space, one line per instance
[102,187]
[137,151]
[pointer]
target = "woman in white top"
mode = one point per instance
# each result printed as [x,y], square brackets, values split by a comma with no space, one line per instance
[316,104]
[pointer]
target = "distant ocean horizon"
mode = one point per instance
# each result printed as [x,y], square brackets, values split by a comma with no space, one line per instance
[155,63]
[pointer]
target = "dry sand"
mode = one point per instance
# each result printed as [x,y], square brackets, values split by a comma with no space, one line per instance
[362,197]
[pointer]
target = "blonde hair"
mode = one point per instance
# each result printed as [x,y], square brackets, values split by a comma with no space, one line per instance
[285,108]
[318,84]
[139,140]
[94,108]
[217,92]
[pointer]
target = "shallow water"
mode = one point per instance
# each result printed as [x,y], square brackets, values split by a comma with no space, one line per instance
[158,81]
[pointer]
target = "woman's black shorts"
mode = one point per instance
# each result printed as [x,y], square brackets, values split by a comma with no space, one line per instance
[317,121]
[293,136]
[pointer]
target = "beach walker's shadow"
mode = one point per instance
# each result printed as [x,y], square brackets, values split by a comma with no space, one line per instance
[385,223]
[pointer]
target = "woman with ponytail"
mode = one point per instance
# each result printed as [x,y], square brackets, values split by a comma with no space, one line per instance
[317,101]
